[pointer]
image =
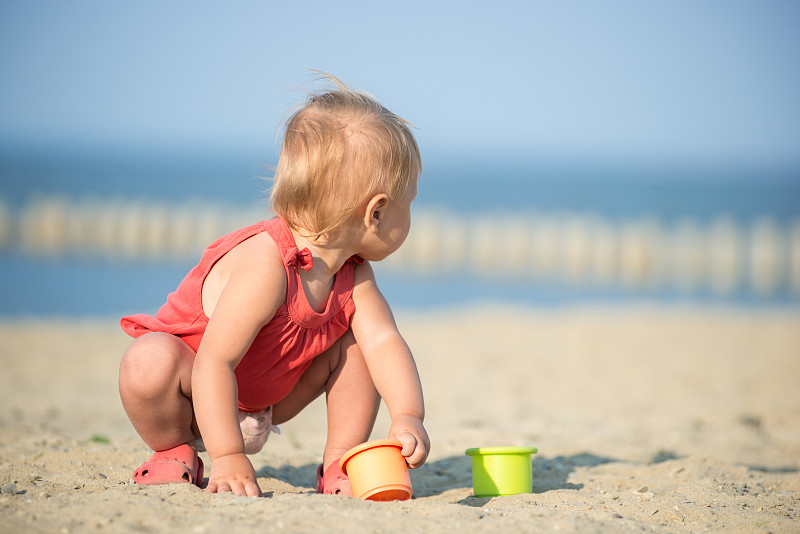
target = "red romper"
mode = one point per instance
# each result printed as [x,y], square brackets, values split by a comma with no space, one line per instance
[285,347]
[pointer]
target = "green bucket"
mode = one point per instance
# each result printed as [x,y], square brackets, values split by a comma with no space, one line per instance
[501,470]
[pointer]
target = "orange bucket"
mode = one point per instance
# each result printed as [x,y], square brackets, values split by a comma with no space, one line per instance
[377,471]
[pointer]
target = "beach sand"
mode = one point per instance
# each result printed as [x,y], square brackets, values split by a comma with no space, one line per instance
[646,419]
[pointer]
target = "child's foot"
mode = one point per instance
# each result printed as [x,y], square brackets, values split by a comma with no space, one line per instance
[333,481]
[179,465]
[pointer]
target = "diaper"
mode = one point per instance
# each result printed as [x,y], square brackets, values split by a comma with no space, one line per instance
[256,428]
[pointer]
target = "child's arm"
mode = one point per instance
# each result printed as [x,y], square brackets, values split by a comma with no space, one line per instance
[391,366]
[251,295]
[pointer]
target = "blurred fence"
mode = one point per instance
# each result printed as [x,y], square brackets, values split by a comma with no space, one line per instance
[117,229]
[723,255]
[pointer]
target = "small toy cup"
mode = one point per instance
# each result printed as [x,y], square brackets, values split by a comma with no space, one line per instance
[501,470]
[377,471]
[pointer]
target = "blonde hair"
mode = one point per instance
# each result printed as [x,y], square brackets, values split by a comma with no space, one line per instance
[339,149]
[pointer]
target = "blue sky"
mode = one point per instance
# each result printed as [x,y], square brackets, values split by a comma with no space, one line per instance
[712,80]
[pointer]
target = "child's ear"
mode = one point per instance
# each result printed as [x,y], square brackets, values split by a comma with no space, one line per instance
[373,215]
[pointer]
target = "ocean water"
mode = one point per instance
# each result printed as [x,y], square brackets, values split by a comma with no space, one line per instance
[466,185]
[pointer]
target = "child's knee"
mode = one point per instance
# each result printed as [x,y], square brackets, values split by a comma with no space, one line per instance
[151,363]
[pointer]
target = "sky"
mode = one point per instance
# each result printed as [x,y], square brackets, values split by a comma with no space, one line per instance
[714,80]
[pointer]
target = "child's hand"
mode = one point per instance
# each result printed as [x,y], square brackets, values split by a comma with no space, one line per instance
[409,430]
[235,473]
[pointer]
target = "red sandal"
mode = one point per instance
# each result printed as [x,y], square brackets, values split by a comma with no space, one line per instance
[333,481]
[178,465]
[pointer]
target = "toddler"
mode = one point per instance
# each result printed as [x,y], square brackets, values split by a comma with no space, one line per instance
[279,312]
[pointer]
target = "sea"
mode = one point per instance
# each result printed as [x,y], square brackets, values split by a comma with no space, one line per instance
[468,184]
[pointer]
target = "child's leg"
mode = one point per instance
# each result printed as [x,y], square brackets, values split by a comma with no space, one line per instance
[352,400]
[155,387]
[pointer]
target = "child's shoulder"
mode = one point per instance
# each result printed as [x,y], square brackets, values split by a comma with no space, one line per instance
[260,250]
[256,256]
[253,267]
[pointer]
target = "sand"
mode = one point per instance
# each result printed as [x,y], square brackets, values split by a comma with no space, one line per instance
[646,419]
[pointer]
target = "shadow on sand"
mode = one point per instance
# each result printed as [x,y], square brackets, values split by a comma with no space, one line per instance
[455,472]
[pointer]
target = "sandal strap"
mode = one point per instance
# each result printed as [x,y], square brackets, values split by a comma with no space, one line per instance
[180,461]
[333,481]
